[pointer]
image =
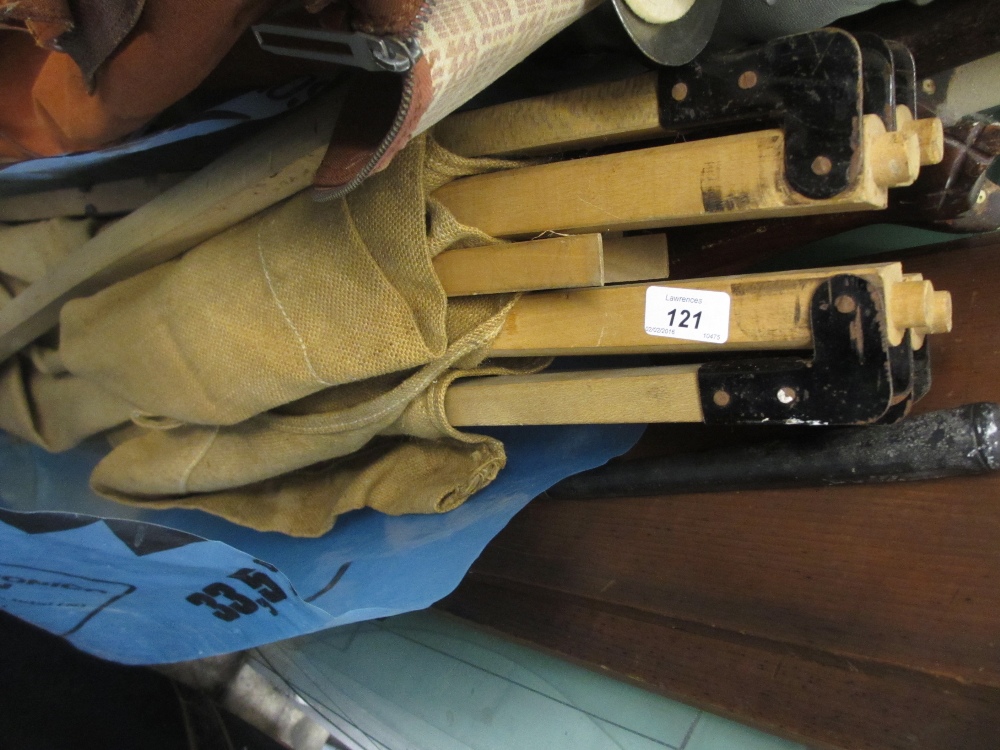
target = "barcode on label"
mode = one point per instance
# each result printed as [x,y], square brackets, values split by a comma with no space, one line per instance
[690,314]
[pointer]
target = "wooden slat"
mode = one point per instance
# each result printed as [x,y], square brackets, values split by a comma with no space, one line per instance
[552,263]
[103,199]
[623,396]
[635,258]
[712,180]
[767,311]
[255,175]
[604,114]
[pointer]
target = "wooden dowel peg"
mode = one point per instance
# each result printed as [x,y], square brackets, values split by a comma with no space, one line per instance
[939,319]
[894,159]
[929,132]
[912,306]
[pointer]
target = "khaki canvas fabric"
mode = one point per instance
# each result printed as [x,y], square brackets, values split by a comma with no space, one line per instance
[40,401]
[294,366]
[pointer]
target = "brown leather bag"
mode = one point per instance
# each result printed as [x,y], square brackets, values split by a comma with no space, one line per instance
[79,75]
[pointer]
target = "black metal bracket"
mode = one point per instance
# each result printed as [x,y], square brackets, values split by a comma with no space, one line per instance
[879,76]
[905,68]
[815,86]
[890,77]
[809,84]
[854,377]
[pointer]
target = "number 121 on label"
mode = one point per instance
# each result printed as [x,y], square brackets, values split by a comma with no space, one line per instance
[690,314]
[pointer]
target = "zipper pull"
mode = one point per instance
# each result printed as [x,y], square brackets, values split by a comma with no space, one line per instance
[354,48]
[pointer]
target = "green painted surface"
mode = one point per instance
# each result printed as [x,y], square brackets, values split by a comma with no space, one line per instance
[426,681]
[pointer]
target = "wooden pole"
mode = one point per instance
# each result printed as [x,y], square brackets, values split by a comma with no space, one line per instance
[718,179]
[767,312]
[553,263]
[600,115]
[565,262]
[593,116]
[622,396]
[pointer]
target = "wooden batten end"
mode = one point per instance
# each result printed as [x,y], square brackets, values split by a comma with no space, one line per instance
[895,159]
[939,320]
[929,132]
[641,257]
[915,304]
[911,304]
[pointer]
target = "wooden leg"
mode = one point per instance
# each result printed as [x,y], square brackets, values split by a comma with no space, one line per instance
[553,263]
[623,396]
[767,312]
[713,180]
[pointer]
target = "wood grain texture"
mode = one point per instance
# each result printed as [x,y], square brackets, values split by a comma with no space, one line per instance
[272,166]
[809,696]
[599,115]
[940,35]
[847,617]
[552,263]
[621,396]
[713,180]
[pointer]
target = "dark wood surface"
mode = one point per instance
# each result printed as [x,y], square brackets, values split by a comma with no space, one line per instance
[848,617]
[941,35]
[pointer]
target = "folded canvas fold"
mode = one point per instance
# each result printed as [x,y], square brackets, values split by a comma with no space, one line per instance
[292,367]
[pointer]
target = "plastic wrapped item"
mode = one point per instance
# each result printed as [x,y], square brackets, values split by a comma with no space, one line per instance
[148,587]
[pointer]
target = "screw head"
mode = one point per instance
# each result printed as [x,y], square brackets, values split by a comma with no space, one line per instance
[981,198]
[928,86]
[787,395]
[845,304]
[822,166]
[721,398]
[747,80]
[679,92]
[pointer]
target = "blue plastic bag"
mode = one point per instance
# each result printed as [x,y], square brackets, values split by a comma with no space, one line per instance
[147,587]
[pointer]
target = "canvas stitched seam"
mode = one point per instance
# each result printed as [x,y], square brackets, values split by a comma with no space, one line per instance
[197,460]
[285,315]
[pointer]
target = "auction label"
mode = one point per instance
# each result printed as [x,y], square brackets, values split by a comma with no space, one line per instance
[691,314]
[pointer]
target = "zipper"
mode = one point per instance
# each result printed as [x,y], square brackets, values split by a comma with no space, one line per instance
[410,41]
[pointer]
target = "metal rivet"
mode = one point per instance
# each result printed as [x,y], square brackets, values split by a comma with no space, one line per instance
[845,304]
[928,86]
[721,398]
[981,198]
[787,395]
[747,80]
[679,92]
[822,165]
